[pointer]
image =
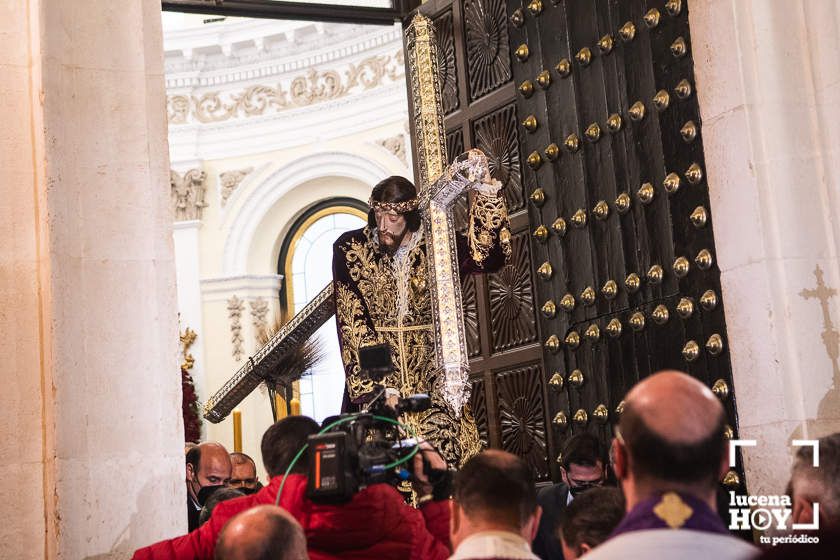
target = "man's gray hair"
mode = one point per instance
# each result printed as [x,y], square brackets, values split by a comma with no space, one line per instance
[820,484]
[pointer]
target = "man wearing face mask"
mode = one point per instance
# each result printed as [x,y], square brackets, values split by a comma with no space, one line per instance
[208,468]
[382,295]
[243,475]
[583,467]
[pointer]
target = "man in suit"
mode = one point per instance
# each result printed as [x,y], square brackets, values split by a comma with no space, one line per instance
[208,468]
[583,467]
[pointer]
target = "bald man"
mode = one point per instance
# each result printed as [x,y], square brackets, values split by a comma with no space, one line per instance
[208,467]
[262,533]
[243,475]
[669,454]
[494,514]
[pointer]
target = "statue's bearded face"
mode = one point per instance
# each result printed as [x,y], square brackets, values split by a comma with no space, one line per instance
[392,229]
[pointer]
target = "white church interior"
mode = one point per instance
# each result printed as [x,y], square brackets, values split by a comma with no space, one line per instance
[173,184]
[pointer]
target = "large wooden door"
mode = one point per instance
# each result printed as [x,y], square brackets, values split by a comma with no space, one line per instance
[479,101]
[611,135]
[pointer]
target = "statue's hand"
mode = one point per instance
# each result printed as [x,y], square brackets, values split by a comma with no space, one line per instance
[488,185]
[479,174]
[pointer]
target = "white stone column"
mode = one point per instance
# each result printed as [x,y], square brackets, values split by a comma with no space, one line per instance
[766,76]
[188,273]
[92,456]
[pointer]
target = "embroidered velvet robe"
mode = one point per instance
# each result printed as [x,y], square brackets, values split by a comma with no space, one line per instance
[386,299]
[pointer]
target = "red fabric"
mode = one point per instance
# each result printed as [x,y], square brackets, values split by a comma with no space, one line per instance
[376,524]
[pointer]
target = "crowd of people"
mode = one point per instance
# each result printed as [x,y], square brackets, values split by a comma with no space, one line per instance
[653,494]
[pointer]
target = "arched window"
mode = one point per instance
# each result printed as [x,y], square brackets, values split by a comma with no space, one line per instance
[306,263]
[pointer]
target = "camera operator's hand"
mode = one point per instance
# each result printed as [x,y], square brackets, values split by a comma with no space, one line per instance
[422,482]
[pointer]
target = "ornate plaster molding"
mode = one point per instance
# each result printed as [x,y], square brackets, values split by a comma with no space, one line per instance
[248,286]
[187,340]
[230,180]
[198,58]
[395,145]
[259,312]
[315,86]
[244,217]
[188,194]
[235,307]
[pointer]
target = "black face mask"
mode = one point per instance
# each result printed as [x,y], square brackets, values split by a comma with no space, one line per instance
[582,487]
[205,492]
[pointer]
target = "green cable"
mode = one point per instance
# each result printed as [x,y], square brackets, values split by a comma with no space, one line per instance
[404,459]
[286,474]
[302,449]
[344,421]
[407,428]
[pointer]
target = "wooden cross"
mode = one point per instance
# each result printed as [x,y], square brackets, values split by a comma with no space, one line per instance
[439,187]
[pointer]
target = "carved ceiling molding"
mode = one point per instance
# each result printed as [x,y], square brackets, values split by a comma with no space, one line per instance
[189,64]
[315,86]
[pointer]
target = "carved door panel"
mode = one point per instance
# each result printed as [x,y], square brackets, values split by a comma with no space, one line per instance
[503,337]
[621,229]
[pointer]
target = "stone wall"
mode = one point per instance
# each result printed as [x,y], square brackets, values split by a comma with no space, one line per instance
[766,81]
[92,446]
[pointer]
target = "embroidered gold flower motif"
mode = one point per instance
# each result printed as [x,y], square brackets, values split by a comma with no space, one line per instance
[672,510]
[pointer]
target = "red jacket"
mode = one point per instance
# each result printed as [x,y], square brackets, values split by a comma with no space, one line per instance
[376,524]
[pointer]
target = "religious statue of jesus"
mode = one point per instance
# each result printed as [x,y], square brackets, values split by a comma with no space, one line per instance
[382,295]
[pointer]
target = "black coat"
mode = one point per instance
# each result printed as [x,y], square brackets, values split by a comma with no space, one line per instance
[552,499]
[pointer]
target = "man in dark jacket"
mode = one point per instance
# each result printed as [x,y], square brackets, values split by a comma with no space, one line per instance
[376,523]
[208,469]
[583,467]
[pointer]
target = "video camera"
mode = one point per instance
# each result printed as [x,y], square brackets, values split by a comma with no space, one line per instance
[367,447]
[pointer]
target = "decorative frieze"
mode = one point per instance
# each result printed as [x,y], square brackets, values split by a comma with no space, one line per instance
[315,86]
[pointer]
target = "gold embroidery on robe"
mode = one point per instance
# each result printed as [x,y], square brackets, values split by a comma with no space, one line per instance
[488,220]
[382,298]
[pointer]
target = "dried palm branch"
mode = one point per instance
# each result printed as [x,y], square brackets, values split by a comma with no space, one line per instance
[298,362]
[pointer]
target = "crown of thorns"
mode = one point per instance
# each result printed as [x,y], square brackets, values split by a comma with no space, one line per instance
[398,207]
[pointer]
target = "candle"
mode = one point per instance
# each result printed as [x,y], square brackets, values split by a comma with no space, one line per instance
[280,411]
[295,404]
[237,430]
